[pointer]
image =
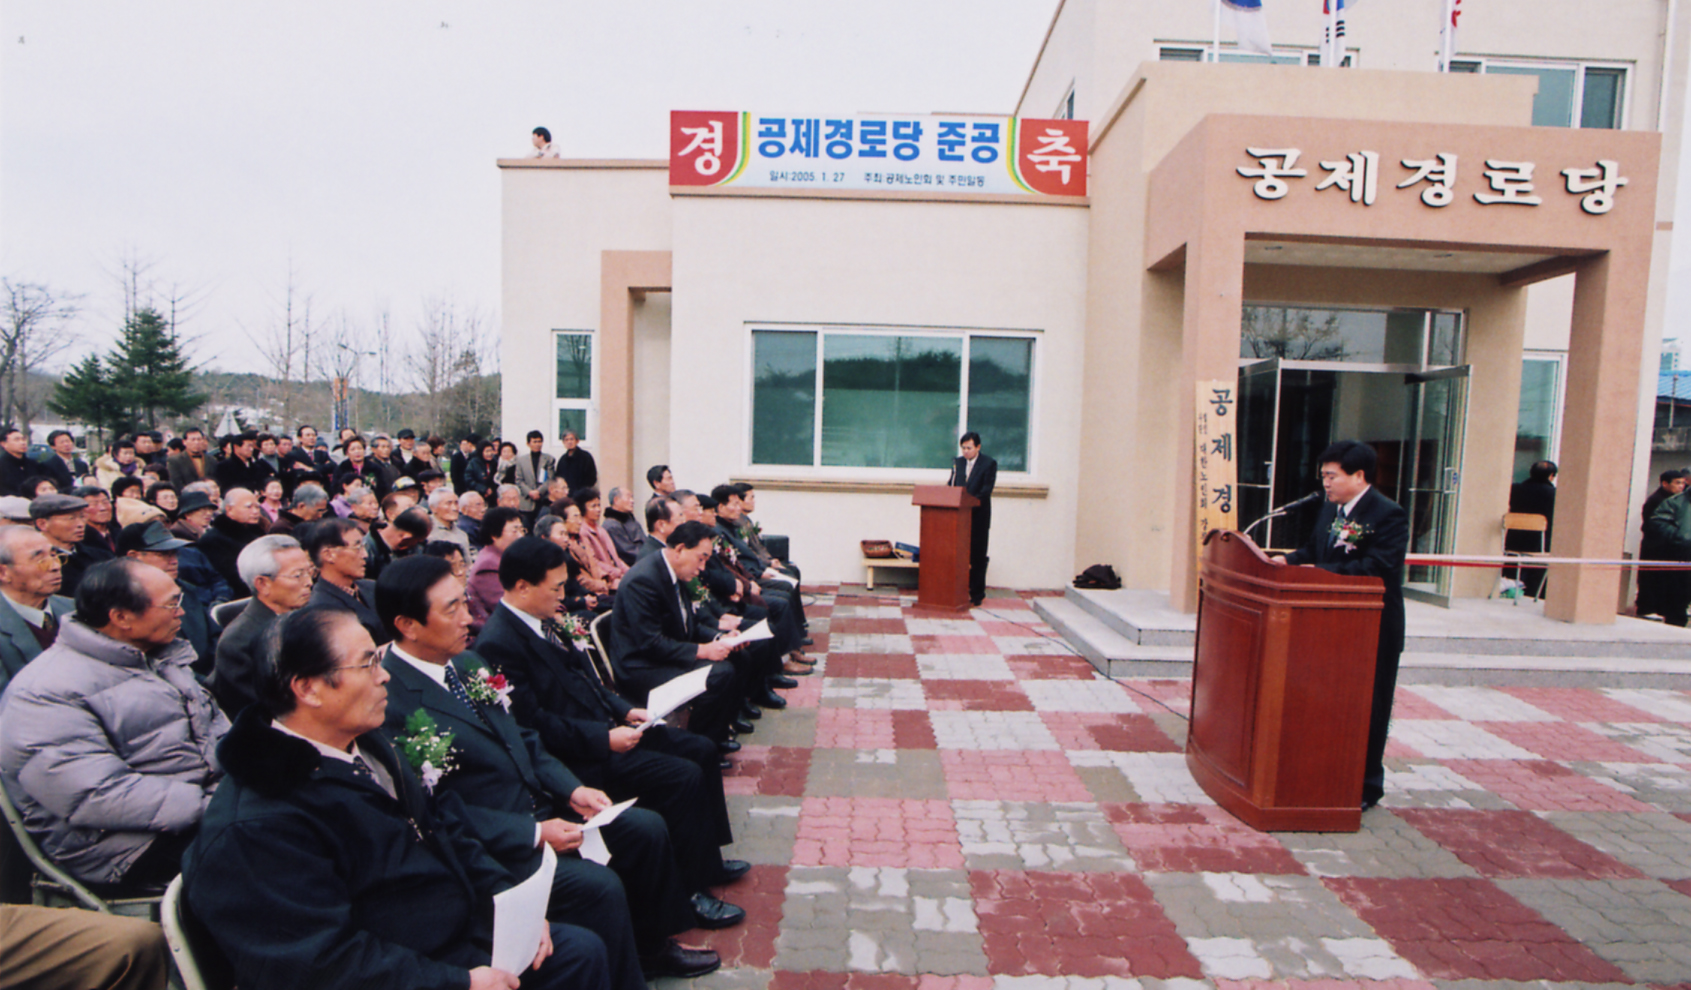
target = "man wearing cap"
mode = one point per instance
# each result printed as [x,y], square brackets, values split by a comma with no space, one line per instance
[278,570]
[30,608]
[405,460]
[150,543]
[63,520]
[14,511]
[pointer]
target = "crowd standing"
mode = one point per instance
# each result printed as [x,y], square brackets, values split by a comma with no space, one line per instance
[350,691]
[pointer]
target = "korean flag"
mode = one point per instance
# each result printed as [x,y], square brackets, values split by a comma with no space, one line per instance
[1250,26]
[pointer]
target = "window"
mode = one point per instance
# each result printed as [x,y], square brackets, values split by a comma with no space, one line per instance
[1425,338]
[573,389]
[1593,95]
[1535,423]
[851,398]
[1065,106]
[1183,54]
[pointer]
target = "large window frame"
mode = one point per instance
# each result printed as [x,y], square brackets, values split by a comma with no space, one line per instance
[1189,52]
[580,412]
[817,468]
[1580,68]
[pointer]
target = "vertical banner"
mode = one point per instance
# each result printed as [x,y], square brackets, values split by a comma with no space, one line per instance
[1217,472]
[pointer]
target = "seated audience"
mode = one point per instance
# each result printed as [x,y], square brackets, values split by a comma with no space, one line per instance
[63,519]
[325,862]
[150,543]
[471,508]
[107,739]
[309,504]
[443,508]
[240,523]
[503,527]
[278,570]
[599,541]
[31,609]
[72,949]
[336,548]
[407,530]
[625,532]
[577,599]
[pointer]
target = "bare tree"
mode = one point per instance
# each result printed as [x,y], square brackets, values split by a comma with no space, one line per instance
[36,330]
[285,346]
[340,358]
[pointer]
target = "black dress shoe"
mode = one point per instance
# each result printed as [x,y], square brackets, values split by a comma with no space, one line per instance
[713,912]
[727,746]
[751,711]
[783,682]
[1370,800]
[732,870]
[769,699]
[675,959]
[741,727]
[808,641]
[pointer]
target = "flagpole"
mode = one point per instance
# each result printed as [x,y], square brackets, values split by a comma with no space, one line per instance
[1447,36]
[1215,45]
[1329,43]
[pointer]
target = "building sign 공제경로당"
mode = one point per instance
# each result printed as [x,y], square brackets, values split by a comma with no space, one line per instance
[1357,174]
[961,154]
[1216,472]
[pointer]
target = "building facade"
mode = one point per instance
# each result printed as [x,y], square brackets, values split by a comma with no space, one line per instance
[1389,281]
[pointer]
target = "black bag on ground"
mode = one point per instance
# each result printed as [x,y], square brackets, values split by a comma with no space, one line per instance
[1098,576]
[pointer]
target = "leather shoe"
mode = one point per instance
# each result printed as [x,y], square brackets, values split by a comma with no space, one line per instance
[808,641]
[732,870]
[769,699]
[751,711]
[741,727]
[714,912]
[797,669]
[1370,801]
[783,682]
[725,764]
[727,746]
[675,959]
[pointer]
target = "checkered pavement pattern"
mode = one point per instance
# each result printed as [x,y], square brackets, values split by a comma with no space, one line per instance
[956,802]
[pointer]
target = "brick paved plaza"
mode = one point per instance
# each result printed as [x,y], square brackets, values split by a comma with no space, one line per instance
[961,803]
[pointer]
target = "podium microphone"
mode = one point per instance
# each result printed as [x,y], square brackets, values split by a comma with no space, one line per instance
[1314,496]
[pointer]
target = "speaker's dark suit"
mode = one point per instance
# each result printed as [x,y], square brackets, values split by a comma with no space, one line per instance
[326,594]
[979,484]
[655,636]
[504,783]
[1378,552]
[676,773]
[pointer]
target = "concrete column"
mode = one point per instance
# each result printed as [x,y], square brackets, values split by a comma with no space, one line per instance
[1215,276]
[621,275]
[1599,420]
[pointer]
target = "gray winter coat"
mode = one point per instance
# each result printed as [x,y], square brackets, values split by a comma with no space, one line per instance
[103,747]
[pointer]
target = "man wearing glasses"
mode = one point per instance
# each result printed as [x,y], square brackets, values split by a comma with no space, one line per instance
[107,740]
[279,573]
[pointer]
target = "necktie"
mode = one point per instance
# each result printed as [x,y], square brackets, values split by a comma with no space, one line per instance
[557,637]
[49,625]
[362,769]
[455,684]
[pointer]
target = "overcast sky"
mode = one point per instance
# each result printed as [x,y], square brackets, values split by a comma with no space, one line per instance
[358,137]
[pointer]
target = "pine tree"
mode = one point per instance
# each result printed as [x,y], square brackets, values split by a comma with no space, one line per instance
[149,372]
[86,395]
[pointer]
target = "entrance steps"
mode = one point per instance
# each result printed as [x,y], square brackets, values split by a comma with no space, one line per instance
[1134,633]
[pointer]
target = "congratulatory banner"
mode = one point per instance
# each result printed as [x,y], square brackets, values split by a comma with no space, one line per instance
[878,152]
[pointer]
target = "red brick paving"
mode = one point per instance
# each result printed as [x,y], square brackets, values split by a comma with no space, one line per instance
[944,643]
[1189,838]
[913,730]
[1010,775]
[854,728]
[876,981]
[920,834]
[1502,844]
[1463,928]
[1079,924]
[852,624]
[976,696]
[768,770]
[1409,705]
[1579,704]
[752,942]
[1543,785]
[898,666]
[1103,730]
[1033,667]
[1566,741]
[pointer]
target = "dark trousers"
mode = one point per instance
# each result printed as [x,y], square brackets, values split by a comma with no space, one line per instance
[725,691]
[678,775]
[591,896]
[578,959]
[980,528]
[1385,688]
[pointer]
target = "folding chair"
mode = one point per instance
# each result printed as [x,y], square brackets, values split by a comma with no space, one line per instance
[53,887]
[1526,522]
[199,962]
[226,613]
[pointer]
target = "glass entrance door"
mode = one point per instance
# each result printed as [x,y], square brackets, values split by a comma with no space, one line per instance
[1414,418]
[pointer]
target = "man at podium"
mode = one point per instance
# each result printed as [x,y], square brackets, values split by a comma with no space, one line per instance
[977,473]
[1362,532]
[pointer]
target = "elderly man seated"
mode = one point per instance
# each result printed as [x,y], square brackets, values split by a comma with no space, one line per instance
[279,572]
[107,740]
[324,863]
[31,610]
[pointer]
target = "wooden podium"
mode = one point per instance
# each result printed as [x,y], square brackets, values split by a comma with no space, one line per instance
[1282,688]
[942,580]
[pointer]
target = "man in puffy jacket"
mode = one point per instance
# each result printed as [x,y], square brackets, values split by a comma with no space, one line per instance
[107,741]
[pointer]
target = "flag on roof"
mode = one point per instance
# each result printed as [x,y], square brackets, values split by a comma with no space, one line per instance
[1333,31]
[1250,26]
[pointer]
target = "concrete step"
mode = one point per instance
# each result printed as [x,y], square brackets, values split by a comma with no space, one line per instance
[1139,616]
[1115,655]
[1543,671]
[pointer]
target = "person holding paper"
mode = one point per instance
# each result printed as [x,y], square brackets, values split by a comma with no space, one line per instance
[780,587]
[559,692]
[656,634]
[323,862]
[514,796]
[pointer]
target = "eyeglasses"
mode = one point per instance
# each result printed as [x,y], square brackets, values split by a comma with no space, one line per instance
[366,665]
[172,604]
[303,574]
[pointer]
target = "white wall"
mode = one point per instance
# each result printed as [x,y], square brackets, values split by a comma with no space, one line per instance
[749,260]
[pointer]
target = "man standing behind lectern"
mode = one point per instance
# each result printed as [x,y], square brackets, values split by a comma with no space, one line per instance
[1362,532]
[977,473]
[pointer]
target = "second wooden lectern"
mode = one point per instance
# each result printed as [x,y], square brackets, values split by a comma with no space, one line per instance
[1282,687]
[942,580]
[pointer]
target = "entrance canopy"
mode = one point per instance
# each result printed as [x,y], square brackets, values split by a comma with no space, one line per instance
[1513,205]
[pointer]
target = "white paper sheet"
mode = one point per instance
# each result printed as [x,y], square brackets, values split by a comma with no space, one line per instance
[519,917]
[593,839]
[676,691]
[752,635]
[787,578]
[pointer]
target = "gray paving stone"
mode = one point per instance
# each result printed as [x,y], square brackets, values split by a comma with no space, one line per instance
[1666,786]
[894,920]
[1173,725]
[901,773]
[1387,846]
[1424,783]
[764,828]
[1521,985]
[1036,835]
[1639,925]
[794,727]
[1107,785]
[1658,845]
[740,978]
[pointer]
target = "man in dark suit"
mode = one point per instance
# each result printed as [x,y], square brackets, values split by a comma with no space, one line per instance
[323,861]
[977,473]
[571,703]
[191,464]
[243,468]
[279,572]
[16,469]
[65,468]
[336,546]
[1359,531]
[30,610]
[656,635]
[516,796]
[1536,496]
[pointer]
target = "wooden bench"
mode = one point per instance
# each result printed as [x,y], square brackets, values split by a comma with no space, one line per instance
[899,563]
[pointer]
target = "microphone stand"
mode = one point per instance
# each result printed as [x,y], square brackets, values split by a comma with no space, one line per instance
[1289,506]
